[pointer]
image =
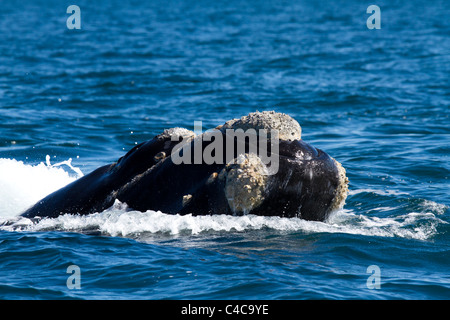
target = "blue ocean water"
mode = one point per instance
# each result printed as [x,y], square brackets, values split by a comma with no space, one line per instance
[376,100]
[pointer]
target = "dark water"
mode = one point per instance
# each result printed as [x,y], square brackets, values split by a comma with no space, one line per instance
[376,100]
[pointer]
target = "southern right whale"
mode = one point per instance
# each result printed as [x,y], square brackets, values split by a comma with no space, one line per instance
[307,182]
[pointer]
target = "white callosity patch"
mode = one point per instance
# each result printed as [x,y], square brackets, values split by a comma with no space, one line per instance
[287,127]
[246,181]
[174,134]
[177,132]
[342,189]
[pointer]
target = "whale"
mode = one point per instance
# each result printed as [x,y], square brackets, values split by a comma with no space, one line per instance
[257,164]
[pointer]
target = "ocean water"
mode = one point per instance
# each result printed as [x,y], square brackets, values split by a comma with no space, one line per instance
[376,100]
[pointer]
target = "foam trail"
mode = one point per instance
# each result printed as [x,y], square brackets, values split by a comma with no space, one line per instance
[120,221]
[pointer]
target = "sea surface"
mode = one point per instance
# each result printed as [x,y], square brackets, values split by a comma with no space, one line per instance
[377,100]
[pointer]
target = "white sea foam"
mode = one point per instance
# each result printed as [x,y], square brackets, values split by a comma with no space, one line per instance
[434,207]
[119,221]
[21,185]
